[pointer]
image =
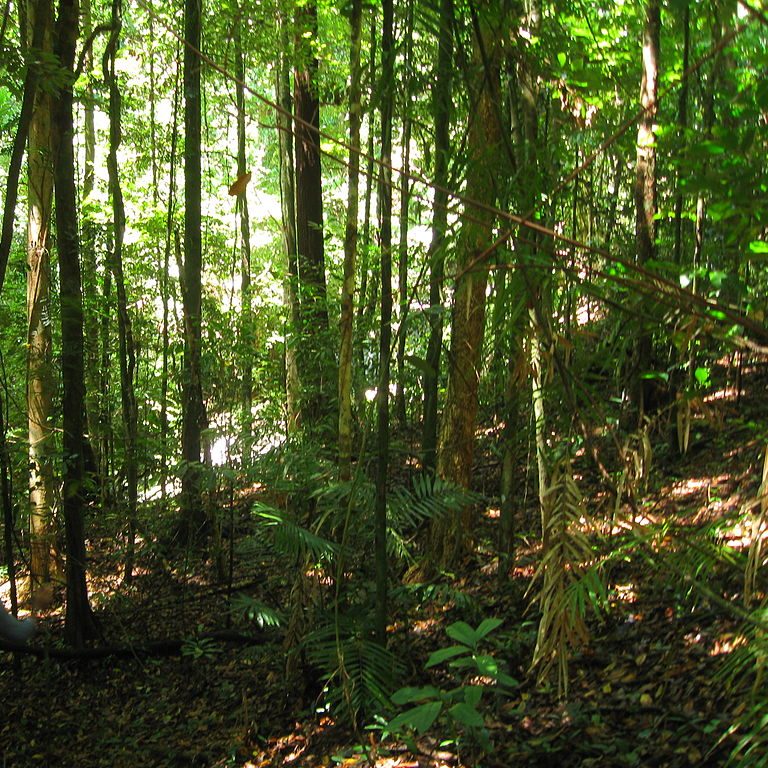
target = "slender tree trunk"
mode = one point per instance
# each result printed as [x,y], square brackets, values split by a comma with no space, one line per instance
[6,502]
[645,181]
[164,292]
[91,308]
[451,533]
[682,124]
[350,248]
[288,209]
[366,308]
[79,624]
[193,514]
[124,324]
[40,379]
[31,79]
[385,329]
[315,364]
[246,318]
[405,198]
[441,110]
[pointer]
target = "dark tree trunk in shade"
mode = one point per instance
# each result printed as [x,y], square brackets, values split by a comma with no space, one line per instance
[79,625]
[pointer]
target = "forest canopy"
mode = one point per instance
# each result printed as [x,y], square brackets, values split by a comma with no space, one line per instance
[359,293]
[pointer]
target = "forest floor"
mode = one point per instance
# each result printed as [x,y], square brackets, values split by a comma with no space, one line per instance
[649,688]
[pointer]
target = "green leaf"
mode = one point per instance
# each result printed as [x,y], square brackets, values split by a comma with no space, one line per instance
[758,246]
[466,715]
[562,57]
[473,694]
[445,653]
[409,694]
[702,376]
[487,626]
[420,364]
[462,632]
[487,665]
[419,718]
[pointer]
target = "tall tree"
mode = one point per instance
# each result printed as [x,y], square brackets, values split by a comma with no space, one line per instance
[193,515]
[124,322]
[645,180]
[350,245]
[450,533]
[441,116]
[40,379]
[246,312]
[385,327]
[315,362]
[288,214]
[79,624]
[405,200]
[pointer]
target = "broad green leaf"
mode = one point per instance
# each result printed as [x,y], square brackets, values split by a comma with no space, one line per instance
[702,376]
[758,246]
[473,694]
[487,665]
[466,715]
[462,632]
[445,653]
[420,364]
[419,718]
[408,694]
[487,626]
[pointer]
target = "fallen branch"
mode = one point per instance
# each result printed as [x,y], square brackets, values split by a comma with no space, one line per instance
[154,648]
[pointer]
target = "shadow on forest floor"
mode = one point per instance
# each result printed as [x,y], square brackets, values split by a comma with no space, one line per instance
[647,689]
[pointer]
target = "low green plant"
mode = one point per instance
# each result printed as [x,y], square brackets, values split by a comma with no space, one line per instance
[458,708]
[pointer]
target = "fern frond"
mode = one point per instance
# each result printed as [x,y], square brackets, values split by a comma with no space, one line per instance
[290,538]
[569,579]
[360,675]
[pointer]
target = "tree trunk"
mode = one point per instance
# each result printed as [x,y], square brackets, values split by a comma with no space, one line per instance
[451,533]
[124,323]
[31,79]
[441,111]
[315,363]
[193,520]
[79,623]
[164,294]
[246,314]
[350,248]
[645,182]
[385,328]
[682,125]
[91,308]
[405,198]
[40,379]
[288,210]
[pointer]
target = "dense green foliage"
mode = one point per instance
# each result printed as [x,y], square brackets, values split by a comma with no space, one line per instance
[541,197]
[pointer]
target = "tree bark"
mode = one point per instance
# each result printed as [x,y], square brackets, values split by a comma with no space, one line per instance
[451,533]
[441,111]
[246,313]
[288,210]
[124,324]
[31,79]
[385,327]
[315,363]
[645,182]
[193,521]
[405,199]
[350,247]
[79,623]
[40,379]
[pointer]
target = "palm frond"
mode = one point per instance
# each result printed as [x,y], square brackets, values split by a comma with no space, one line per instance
[569,580]
[291,539]
[359,674]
